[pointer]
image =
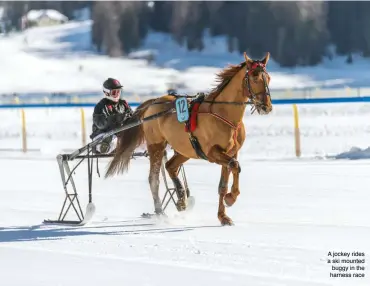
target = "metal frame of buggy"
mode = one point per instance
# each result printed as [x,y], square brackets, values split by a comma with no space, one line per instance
[71,201]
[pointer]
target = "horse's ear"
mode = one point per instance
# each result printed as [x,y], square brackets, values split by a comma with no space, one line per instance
[248,60]
[266,58]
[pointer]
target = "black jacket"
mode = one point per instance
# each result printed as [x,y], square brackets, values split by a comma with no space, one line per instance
[109,115]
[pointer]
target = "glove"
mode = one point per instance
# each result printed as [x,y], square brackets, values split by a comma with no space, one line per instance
[120,117]
[112,121]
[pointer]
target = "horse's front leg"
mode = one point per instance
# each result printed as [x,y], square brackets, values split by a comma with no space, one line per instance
[222,191]
[229,164]
[230,198]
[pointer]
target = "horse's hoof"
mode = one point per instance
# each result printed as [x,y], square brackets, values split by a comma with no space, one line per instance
[229,199]
[226,221]
[181,209]
[159,213]
[181,206]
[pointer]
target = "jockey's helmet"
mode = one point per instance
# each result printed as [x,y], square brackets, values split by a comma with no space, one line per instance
[112,89]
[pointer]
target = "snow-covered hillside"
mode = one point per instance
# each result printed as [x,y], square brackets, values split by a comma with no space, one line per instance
[61,59]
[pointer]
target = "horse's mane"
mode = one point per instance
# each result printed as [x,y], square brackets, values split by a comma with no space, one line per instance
[224,77]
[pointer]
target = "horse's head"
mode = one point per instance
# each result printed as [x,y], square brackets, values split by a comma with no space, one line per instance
[257,84]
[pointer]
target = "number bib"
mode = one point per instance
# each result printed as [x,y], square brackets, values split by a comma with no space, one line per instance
[182,109]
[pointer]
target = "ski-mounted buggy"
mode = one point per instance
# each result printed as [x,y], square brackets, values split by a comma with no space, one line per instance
[71,201]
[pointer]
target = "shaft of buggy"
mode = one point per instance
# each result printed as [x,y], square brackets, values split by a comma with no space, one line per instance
[129,125]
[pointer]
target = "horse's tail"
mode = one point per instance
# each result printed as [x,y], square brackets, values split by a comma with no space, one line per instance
[128,141]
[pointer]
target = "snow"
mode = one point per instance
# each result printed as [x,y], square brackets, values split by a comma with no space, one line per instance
[284,227]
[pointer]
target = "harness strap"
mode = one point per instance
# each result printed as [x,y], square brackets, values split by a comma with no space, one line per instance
[223,119]
[196,146]
[227,122]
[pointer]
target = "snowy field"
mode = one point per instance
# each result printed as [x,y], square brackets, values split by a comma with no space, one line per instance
[290,214]
[288,217]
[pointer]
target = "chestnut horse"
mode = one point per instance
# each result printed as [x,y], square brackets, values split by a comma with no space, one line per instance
[220,132]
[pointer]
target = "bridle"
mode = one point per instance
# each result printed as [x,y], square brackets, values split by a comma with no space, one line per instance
[256,67]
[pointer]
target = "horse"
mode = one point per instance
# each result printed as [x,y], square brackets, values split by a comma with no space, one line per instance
[217,138]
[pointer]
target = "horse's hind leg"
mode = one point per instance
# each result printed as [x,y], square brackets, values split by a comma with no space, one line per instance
[172,167]
[156,153]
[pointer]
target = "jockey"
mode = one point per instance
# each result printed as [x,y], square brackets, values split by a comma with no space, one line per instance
[109,113]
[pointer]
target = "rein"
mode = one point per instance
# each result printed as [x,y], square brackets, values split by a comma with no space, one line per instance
[208,101]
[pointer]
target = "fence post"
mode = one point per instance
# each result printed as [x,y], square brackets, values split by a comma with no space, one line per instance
[297,138]
[24,133]
[83,127]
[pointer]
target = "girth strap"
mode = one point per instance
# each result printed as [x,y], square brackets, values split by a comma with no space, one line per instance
[196,146]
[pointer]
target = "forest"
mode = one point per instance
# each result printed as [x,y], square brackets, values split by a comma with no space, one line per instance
[298,33]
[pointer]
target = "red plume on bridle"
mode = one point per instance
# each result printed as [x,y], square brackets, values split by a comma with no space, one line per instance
[257,67]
